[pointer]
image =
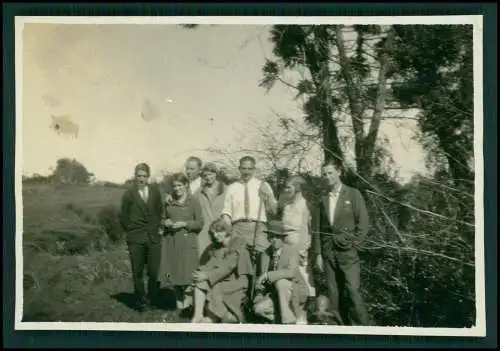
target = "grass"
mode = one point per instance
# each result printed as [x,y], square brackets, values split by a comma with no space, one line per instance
[67,276]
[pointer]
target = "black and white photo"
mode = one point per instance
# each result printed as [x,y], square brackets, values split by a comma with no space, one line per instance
[317,175]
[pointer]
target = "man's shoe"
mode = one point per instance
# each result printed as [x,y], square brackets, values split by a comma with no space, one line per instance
[143,305]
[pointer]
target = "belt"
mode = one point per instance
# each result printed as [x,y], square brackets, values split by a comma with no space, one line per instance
[243,220]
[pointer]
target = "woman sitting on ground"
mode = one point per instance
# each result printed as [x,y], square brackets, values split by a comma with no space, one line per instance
[221,285]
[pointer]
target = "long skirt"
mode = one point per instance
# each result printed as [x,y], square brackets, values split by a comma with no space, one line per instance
[179,259]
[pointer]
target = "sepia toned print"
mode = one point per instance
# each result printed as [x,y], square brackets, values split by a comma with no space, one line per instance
[289,175]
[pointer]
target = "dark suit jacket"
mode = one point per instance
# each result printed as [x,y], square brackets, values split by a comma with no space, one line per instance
[141,220]
[350,225]
[288,265]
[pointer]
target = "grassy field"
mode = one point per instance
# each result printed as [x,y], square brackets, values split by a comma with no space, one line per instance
[73,272]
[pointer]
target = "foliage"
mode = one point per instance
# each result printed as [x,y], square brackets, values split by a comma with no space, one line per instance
[109,184]
[108,218]
[36,179]
[71,171]
[435,71]
[416,268]
[93,233]
[339,81]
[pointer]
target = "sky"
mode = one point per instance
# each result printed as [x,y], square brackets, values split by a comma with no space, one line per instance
[156,94]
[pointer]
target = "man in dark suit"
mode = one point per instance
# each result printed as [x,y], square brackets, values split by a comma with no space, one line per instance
[280,286]
[140,217]
[340,226]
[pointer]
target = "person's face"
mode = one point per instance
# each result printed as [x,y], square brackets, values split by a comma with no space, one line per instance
[247,170]
[179,189]
[276,241]
[331,175]
[290,190]
[209,177]
[141,178]
[192,170]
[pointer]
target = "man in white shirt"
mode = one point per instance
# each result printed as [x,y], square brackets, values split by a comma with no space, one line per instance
[248,204]
[341,225]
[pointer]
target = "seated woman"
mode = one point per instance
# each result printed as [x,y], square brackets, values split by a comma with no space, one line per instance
[221,285]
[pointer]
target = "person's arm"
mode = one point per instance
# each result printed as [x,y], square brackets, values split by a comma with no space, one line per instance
[195,224]
[124,215]
[225,268]
[316,230]
[227,210]
[160,206]
[286,273]
[361,218]
[267,195]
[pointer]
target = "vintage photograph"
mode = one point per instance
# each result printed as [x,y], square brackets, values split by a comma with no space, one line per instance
[294,174]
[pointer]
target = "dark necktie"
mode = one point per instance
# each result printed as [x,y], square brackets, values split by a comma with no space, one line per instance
[274,262]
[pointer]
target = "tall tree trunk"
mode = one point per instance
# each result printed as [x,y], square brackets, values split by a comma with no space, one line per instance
[317,63]
[364,146]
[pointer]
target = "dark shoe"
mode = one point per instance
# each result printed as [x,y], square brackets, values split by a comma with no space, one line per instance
[142,305]
[187,312]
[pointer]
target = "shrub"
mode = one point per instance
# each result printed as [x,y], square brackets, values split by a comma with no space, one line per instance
[108,218]
[417,265]
[106,222]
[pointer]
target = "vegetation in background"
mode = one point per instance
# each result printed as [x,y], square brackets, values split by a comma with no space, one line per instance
[418,259]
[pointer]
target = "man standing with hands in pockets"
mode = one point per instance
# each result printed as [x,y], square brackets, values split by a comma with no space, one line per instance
[341,225]
[248,204]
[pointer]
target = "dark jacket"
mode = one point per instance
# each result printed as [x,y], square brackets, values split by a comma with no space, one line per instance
[350,226]
[141,220]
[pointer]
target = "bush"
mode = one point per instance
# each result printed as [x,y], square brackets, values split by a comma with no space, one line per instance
[108,217]
[417,265]
[106,221]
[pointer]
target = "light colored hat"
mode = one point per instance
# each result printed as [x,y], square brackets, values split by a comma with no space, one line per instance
[210,167]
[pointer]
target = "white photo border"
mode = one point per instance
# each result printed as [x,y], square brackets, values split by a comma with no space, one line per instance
[479,330]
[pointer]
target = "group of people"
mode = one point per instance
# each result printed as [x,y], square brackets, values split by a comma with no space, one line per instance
[230,250]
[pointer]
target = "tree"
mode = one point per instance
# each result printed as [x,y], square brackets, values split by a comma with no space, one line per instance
[71,171]
[435,71]
[279,143]
[342,81]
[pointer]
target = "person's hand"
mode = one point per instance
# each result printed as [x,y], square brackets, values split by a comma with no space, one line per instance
[167,199]
[199,276]
[319,263]
[343,241]
[259,283]
[253,252]
[226,218]
[168,222]
[179,225]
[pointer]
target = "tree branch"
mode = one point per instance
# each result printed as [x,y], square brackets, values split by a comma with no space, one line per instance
[369,141]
